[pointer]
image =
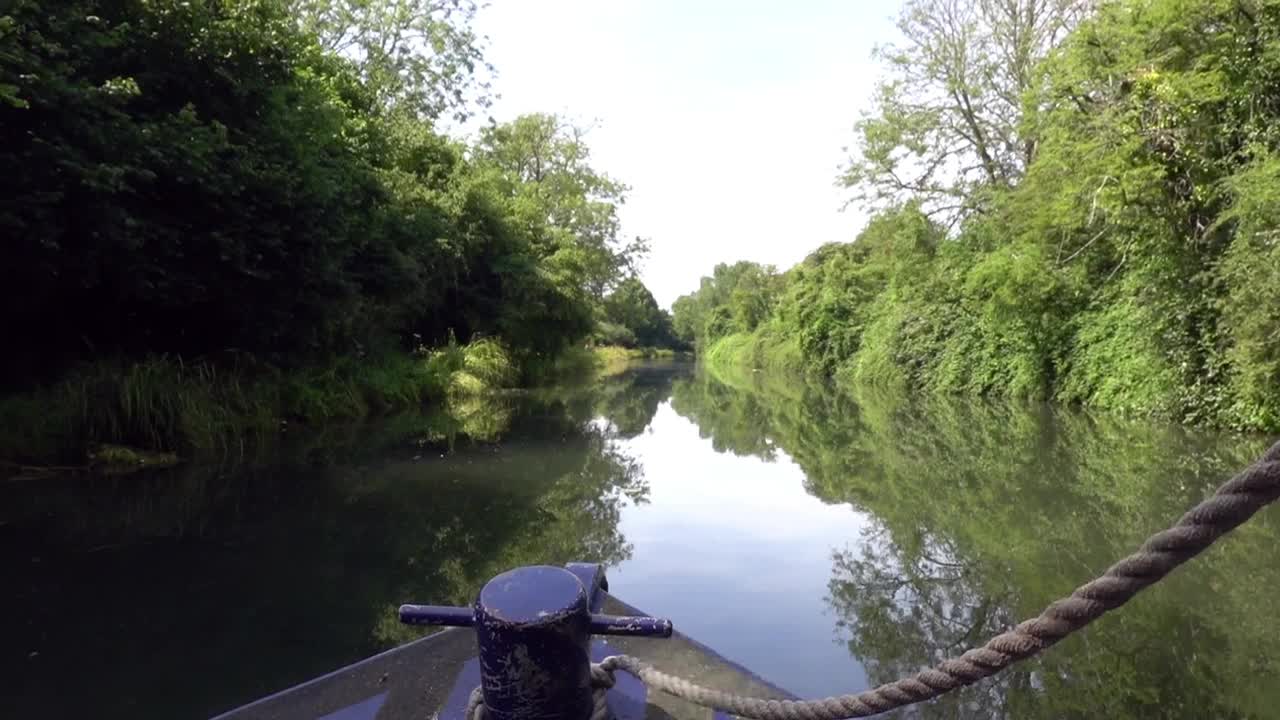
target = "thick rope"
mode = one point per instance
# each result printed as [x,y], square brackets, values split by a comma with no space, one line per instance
[1233,503]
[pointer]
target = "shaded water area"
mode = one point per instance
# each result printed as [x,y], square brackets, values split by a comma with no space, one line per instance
[827,542]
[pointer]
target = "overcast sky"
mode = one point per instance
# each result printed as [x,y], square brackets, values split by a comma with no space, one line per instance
[727,118]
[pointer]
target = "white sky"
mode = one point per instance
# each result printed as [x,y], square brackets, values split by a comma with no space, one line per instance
[727,118]
[721,526]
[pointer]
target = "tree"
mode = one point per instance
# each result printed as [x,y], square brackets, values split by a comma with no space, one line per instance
[735,298]
[948,125]
[632,306]
[541,165]
[418,55]
[170,164]
[686,318]
[752,298]
[956,549]
[167,164]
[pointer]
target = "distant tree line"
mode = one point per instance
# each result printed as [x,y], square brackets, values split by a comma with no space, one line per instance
[1073,200]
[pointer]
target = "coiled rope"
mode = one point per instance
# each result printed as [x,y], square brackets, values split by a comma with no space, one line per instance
[1235,502]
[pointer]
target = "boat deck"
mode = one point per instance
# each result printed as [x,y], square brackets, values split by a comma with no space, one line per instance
[433,677]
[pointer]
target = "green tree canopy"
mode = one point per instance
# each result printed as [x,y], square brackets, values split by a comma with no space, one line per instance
[418,55]
[263,177]
[734,298]
[631,305]
[1090,219]
[541,166]
[948,125]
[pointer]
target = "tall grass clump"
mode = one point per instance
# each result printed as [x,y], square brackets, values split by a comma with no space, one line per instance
[167,404]
[479,367]
[486,366]
[352,388]
[161,403]
[610,360]
[319,393]
[730,351]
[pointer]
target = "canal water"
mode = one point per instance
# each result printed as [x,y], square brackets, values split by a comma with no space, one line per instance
[829,542]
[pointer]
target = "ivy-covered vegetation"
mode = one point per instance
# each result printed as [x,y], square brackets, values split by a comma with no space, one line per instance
[228,212]
[1072,200]
[980,513]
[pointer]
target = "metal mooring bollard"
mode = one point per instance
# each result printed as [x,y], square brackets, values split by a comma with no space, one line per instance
[533,627]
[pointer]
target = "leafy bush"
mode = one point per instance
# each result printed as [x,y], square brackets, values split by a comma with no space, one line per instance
[1127,260]
[608,333]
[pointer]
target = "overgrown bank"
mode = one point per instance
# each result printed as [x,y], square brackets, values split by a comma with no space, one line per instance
[1112,243]
[611,359]
[221,215]
[164,403]
[200,409]
[980,512]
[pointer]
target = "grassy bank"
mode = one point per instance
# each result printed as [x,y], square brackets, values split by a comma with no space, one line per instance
[611,359]
[759,350]
[166,403]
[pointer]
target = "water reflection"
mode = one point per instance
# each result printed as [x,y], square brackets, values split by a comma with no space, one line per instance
[982,514]
[828,542]
[185,593]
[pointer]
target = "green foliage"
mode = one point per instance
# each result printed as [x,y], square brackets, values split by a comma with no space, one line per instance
[978,514]
[417,55]
[165,403]
[736,298]
[159,403]
[730,351]
[611,360]
[540,165]
[946,128]
[574,365]
[1250,271]
[118,459]
[379,523]
[633,318]
[232,184]
[486,366]
[768,348]
[613,334]
[1115,238]
[1115,362]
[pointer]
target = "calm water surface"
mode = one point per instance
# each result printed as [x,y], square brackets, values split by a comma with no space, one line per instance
[827,542]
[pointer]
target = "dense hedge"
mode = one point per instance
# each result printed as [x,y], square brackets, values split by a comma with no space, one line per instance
[1134,266]
[202,178]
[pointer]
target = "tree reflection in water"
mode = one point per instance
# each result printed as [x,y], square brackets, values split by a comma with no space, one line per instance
[215,584]
[218,584]
[984,513]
